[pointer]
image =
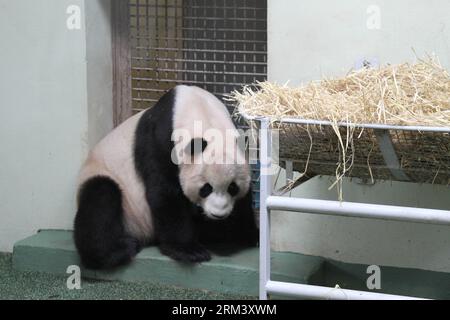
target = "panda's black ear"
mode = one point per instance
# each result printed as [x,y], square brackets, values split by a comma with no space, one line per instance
[197,145]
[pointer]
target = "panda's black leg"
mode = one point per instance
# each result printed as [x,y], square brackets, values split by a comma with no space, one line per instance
[236,232]
[191,253]
[175,230]
[245,229]
[99,233]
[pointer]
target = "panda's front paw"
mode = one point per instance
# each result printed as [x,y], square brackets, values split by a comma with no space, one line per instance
[192,253]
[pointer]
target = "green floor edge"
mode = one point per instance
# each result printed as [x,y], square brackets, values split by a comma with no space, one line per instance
[235,276]
[27,285]
[53,251]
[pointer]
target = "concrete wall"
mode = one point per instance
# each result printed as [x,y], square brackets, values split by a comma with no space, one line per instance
[50,112]
[311,39]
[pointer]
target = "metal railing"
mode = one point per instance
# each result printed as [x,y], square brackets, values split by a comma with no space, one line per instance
[268,202]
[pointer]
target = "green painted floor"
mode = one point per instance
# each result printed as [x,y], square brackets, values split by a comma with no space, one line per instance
[35,285]
[237,273]
[154,276]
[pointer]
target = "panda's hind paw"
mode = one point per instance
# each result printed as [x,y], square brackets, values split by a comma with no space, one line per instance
[193,253]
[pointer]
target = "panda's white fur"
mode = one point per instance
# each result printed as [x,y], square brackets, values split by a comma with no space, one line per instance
[113,157]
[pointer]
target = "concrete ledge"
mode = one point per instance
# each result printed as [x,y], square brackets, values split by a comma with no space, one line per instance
[53,251]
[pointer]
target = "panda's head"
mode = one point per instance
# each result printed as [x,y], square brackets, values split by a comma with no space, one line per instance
[214,185]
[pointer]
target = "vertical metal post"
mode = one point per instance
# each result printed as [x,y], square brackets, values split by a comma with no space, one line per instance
[264,218]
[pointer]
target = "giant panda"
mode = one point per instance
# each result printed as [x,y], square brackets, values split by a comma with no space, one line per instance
[155,180]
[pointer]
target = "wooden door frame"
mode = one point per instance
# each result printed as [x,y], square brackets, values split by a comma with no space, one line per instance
[121,55]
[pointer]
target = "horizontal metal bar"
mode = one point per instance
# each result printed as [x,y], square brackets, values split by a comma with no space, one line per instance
[343,124]
[218,40]
[144,100]
[164,16]
[306,291]
[167,6]
[246,30]
[151,90]
[226,19]
[248,63]
[201,72]
[201,50]
[162,91]
[359,210]
[364,166]
[229,84]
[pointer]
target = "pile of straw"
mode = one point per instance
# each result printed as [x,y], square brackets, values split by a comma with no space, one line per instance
[405,94]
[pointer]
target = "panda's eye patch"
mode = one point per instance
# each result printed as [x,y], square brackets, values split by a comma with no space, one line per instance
[233,189]
[205,190]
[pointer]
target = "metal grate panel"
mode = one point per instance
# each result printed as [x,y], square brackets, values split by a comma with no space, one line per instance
[218,45]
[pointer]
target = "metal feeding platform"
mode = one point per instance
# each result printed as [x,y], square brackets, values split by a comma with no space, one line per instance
[369,151]
[376,152]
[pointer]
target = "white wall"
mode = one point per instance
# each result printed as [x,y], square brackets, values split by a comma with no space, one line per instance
[99,69]
[47,107]
[311,39]
[314,38]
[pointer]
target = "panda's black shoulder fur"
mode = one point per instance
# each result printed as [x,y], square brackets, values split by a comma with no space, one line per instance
[153,144]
